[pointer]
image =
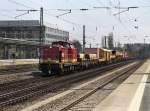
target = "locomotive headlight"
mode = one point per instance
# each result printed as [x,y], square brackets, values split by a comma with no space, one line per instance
[49,59]
[63,55]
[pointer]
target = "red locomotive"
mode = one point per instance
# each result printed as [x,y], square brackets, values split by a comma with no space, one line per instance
[60,57]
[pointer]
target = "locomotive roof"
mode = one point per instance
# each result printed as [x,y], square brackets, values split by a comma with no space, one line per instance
[106,50]
[62,42]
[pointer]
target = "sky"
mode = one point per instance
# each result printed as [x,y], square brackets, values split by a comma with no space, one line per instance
[98,21]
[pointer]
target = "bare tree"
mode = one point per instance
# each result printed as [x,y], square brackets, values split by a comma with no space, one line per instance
[77,45]
[104,41]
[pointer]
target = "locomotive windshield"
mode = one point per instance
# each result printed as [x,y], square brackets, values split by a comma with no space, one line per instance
[62,44]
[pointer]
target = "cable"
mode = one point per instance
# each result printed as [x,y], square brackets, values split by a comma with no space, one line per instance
[21,4]
[34,2]
[100,3]
[2,11]
[86,3]
[7,15]
[44,13]
[67,21]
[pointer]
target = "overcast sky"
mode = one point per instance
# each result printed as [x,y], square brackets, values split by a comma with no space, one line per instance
[98,22]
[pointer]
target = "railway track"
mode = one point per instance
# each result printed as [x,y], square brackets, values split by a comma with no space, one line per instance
[18,68]
[41,87]
[23,83]
[107,81]
[62,100]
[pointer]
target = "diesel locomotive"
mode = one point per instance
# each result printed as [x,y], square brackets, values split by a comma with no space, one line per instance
[63,57]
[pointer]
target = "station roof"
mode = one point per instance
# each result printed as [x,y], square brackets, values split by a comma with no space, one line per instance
[18,41]
[17,23]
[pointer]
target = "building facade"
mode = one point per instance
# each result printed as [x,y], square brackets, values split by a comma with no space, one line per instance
[52,34]
[22,38]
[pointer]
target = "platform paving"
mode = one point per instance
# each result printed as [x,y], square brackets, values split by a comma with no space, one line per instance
[145,103]
[132,95]
[9,62]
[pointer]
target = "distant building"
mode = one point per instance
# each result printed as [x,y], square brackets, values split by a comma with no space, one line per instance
[107,41]
[22,38]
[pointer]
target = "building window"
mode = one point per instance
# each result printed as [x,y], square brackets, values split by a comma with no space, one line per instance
[2,34]
[10,34]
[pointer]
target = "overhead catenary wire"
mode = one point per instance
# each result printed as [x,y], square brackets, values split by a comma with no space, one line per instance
[18,3]
[21,4]
[82,9]
[61,19]
[5,15]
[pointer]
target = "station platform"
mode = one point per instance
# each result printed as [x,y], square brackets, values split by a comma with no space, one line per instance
[132,95]
[10,62]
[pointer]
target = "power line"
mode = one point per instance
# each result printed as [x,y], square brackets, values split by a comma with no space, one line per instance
[65,20]
[18,3]
[82,9]
[70,22]
[99,1]
[34,2]
[6,15]
[6,11]
[44,13]
[86,3]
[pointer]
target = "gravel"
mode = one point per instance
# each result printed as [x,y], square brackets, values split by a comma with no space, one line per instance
[90,103]
[64,101]
[58,104]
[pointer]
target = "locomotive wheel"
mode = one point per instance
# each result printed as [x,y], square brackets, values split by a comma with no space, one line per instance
[59,72]
[48,70]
